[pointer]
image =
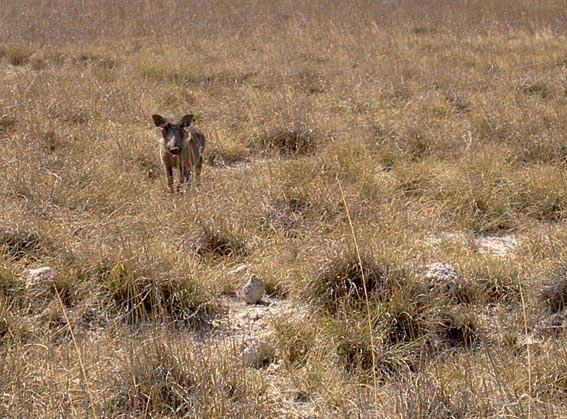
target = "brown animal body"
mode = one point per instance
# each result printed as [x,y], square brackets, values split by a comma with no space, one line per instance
[182,147]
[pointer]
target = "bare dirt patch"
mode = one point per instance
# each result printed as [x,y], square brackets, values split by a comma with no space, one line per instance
[500,245]
[254,320]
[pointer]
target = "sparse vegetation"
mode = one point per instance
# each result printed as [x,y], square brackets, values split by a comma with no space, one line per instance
[16,54]
[344,280]
[286,141]
[350,145]
[217,241]
[554,292]
[17,242]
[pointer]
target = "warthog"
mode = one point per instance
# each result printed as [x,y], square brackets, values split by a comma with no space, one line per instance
[181,146]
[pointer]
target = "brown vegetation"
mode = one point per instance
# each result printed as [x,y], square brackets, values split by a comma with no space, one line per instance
[435,120]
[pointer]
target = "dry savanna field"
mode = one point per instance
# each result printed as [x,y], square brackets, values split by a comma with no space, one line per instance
[395,172]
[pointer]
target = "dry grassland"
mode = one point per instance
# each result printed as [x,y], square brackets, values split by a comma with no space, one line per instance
[350,146]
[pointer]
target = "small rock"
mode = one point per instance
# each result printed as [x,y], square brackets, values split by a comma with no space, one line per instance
[525,340]
[497,245]
[274,366]
[239,270]
[442,276]
[252,353]
[253,290]
[42,274]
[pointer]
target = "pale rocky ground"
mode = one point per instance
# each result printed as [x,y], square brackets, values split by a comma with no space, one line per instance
[244,322]
[246,331]
[494,245]
[248,328]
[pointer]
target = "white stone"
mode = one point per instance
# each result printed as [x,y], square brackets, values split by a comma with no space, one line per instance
[42,274]
[442,275]
[253,290]
[497,245]
[252,353]
[239,270]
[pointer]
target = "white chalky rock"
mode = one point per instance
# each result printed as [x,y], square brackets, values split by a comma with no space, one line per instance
[242,269]
[253,290]
[442,276]
[39,275]
[252,353]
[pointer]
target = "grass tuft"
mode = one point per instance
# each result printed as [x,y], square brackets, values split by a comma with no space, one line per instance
[456,327]
[141,299]
[10,285]
[16,54]
[7,124]
[286,141]
[402,321]
[162,383]
[353,347]
[553,293]
[217,241]
[341,280]
[95,59]
[537,88]
[287,212]
[20,242]
[294,341]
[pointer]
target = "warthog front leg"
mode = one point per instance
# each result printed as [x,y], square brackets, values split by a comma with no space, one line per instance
[169,173]
[184,175]
[198,167]
[196,162]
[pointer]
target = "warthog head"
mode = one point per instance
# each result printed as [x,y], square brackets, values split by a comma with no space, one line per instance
[174,134]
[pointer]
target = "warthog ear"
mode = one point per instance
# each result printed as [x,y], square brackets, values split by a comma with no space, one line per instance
[186,121]
[159,121]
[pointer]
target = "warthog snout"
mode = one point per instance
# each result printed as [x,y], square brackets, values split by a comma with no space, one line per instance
[181,147]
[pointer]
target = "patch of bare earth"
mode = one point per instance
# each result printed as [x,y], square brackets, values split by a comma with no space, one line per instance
[254,320]
[497,245]
[247,331]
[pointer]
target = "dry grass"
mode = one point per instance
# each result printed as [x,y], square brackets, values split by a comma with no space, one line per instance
[439,120]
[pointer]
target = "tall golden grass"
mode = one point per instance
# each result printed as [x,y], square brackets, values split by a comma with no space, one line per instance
[350,145]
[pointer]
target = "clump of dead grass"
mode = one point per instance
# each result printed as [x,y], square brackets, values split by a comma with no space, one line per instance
[7,124]
[163,383]
[553,293]
[16,54]
[217,241]
[342,279]
[360,353]
[19,242]
[164,378]
[294,340]
[455,327]
[287,212]
[287,141]
[140,297]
